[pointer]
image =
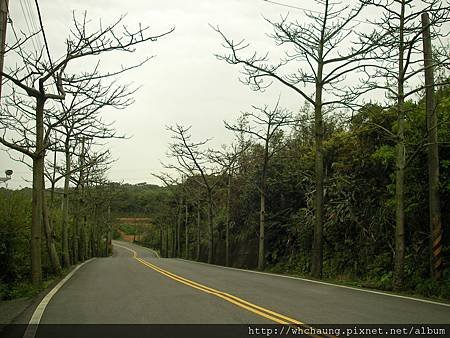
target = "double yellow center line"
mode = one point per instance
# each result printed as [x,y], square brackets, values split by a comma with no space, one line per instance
[261,311]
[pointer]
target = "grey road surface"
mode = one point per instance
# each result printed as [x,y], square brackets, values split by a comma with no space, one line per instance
[122,290]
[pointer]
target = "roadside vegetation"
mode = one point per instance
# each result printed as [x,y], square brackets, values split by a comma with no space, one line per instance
[346,188]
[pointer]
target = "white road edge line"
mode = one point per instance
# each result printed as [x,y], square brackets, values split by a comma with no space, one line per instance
[324,283]
[32,327]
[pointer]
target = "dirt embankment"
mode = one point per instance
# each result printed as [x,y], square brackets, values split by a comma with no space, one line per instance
[125,237]
[128,238]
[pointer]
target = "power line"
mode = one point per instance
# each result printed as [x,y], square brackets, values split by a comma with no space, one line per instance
[43,34]
[31,16]
[25,16]
[45,42]
[439,38]
[291,6]
[32,23]
[308,10]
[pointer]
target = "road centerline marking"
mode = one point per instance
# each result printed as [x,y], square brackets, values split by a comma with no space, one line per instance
[259,310]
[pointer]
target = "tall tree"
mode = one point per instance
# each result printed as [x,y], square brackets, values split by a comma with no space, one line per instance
[433,155]
[33,78]
[173,185]
[227,159]
[399,64]
[322,65]
[265,126]
[85,101]
[193,161]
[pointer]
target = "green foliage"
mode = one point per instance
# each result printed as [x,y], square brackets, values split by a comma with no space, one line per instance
[359,200]
[359,206]
[128,229]
[15,219]
[385,154]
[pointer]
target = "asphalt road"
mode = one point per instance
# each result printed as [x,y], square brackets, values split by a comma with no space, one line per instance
[123,290]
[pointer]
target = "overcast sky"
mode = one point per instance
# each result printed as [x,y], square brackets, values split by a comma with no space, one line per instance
[183,84]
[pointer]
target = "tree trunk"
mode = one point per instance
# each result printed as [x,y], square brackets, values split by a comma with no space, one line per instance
[211,230]
[400,168]
[262,208]
[262,205]
[179,229]
[54,259]
[81,210]
[174,241]
[76,240]
[197,255]
[317,249]
[167,242]
[83,242]
[109,231]
[65,223]
[36,213]
[161,241]
[433,156]
[262,216]
[227,224]
[186,230]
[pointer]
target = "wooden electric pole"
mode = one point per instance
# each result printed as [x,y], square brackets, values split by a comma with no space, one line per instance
[186,230]
[433,156]
[3,21]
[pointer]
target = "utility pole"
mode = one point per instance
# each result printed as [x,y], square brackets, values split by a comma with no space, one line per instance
[433,156]
[227,224]
[4,5]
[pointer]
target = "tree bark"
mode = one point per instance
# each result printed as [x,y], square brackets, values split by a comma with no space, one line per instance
[76,257]
[179,229]
[227,224]
[38,176]
[197,255]
[54,259]
[433,156]
[186,230]
[174,241]
[161,241]
[65,223]
[399,260]
[317,249]
[167,242]
[262,209]
[211,229]
[262,215]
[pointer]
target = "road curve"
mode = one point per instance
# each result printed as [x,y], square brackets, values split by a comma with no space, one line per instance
[123,290]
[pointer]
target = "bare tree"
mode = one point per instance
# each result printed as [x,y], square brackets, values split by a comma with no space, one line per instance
[399,64]
[85,100]
[173,185]
[34,79]
[265,125]
[227,159]
[92,166]
[322,65]
[193,161]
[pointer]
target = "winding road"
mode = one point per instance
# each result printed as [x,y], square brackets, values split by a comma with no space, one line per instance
[134,286]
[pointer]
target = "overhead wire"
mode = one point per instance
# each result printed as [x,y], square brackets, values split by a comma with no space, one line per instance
[309,10]
[43,34]
[25,16]
[33,26]
[45,41]
[30,15]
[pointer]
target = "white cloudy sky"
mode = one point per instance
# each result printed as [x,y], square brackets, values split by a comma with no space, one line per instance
[184,83]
